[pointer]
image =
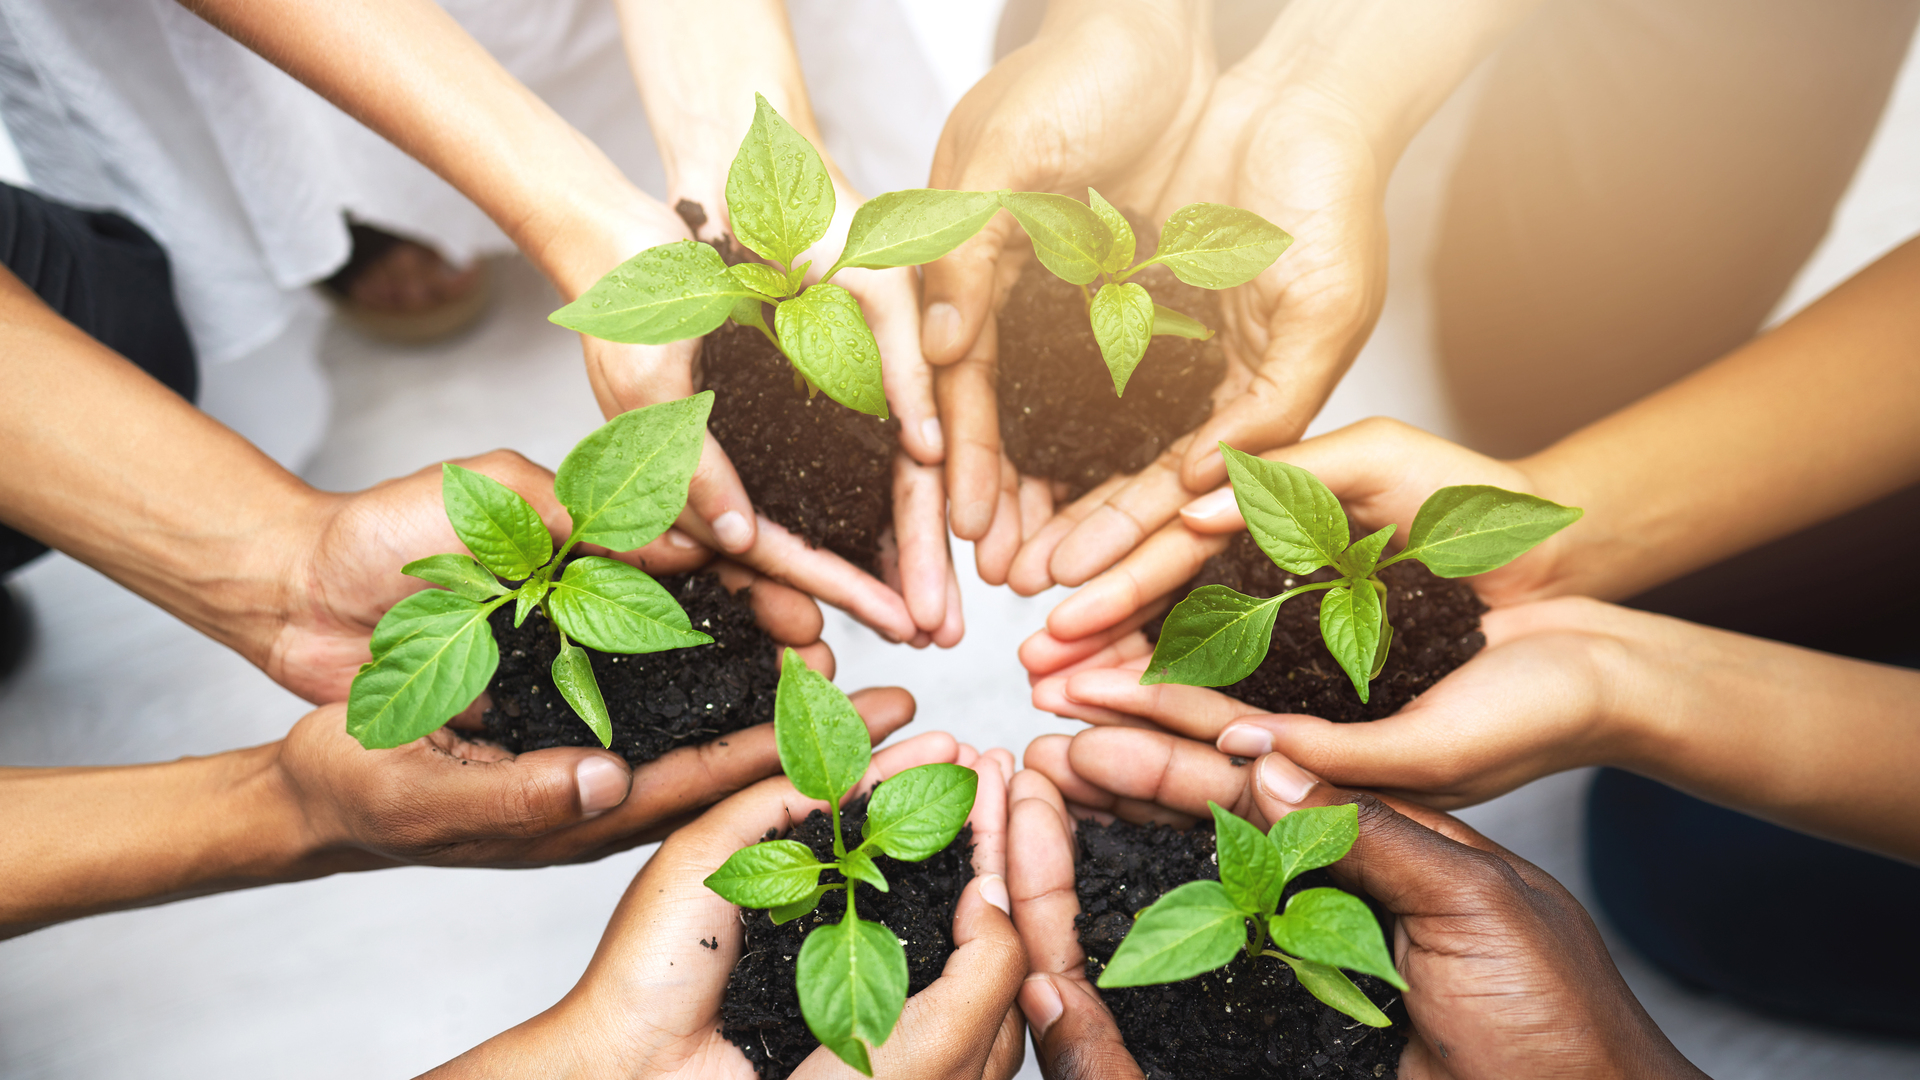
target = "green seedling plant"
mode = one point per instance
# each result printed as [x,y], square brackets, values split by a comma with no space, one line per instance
[1201,925]
[1216,636]
[622,485]
[852,975]
[1090,244]
[780,202]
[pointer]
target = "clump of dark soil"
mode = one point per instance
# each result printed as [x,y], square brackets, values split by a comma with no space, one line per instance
[1059,419]
[1250,1020]
[1436,628]
[819,469]
[658,701]
[761,1014]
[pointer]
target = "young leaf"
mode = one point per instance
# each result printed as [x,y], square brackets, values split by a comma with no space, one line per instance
[1173,324]
[497,525]
[786,913]
[779,196]
[767,874]
[1291,514]
[746,312]
[413,614]
[858,865]
[1474,528]
[1213,637]
[1068,237]
[423,679]
[458,573]
[1314,837]
[612,607]
[918,812]
[573,674]
[627,481]
[1218,247]
[1360,560]
[1334,989]
[762,279]
[667,293]
[1197,927]
[1250,867]
[824,745]
[1380,650]
[826,337]
[1122,317]
[852,977]
[1330,927]
[1120,253]
[530,593]
[909,228]
[1350,625]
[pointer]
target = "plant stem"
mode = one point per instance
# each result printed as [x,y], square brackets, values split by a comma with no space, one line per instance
[1315,587]
[1087,296]
[840,847]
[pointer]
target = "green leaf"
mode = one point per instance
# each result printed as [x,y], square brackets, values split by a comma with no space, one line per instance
[1213,637]
[1250,867]
[421,680]
[762,279]
[1120,252]
[1334,989]
[779,196]
[1217,247]
[1360,560]
[823,332]
[859,866]
[746,312]
[627,481]
[910,228]
[615,608]
[1195,928]
[1330,927]
[1122,316]
[667,293]
[797,276]
[573,674]
[1380,650]
[767,875]
[1174,324]
[1350,625]
[1311,838]
[919,811]
[786,913]
[501,529]
[852,977]
[1474,528]
[1068,237]
[824,745]
[1291,514]
[456,572]
[413,614]
[530,593]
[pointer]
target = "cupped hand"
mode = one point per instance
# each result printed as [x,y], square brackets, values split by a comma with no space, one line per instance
[649,1003]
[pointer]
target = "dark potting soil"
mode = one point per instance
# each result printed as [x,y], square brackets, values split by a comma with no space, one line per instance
[1436,628]
[1058,417]
[819,469]
[761,1013]
[658,701]
[1248,1020]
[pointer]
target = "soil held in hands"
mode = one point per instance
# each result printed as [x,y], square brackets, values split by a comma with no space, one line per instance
[1436,628]
[761,1013]
[658,701]
[1250,1019]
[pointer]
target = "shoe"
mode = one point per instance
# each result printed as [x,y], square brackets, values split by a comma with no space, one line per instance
[401,291]
[16,632]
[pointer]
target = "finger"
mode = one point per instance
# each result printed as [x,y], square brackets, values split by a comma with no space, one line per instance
[920,529]
[718,512]
[989,816]
[1128,515]
[1031,571]
[1154,768]
[1166,561]
[1195,712]
[790,616]
[1050,696]
[993,553]
[1043,654]
[786,558]
[1040,875]
[969,412]
[891,303]
[1036,505]
[954,626]
[672,552]
[1073,1032]
[952,1026]
[1048,756]
[958,290]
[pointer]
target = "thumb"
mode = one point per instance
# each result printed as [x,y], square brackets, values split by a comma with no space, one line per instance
[958,292]
[528,795]
[1073,1032]
[1284,396]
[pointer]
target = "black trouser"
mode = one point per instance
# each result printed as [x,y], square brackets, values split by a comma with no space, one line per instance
[105,275]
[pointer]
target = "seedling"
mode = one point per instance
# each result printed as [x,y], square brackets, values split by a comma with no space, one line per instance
[1216,636]
[1201,925]
[1205,244]
[852,974]
[780,202]
[622,485]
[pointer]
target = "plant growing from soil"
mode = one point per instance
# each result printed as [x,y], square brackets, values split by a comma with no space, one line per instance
[1216,636]
[1203,925]
[780,201]
[434,652]
[851,975]
[1207,245]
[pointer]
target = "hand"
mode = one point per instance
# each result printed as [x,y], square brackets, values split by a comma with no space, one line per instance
[649,1004]
[1509,975]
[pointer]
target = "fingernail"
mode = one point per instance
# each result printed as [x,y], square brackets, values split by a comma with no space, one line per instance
[603,785]
[1041,1002]
[1284,780]
[731,530]
[993,889]
[931,435]
[1210,505]
[940,330]
[1245,740]
[681,540]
